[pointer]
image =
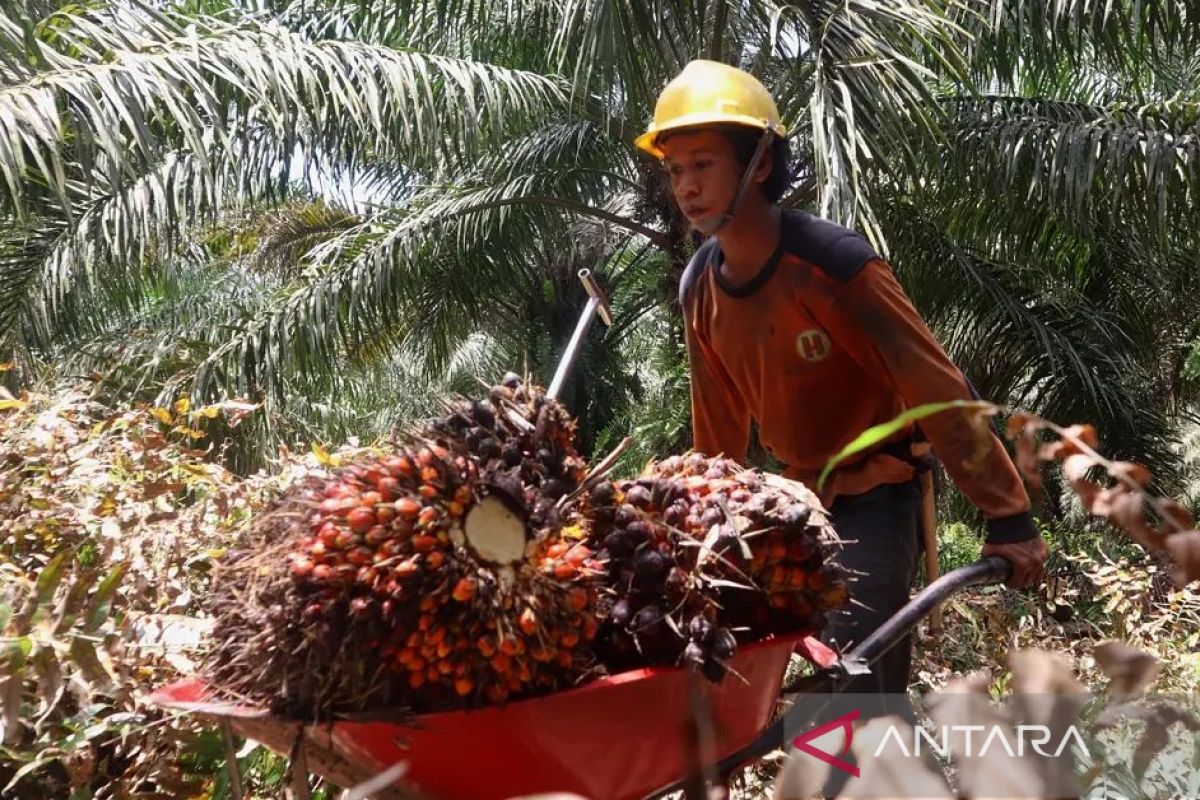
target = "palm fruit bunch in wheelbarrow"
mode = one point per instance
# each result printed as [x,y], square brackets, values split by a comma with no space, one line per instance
[443,572]
[703,554]
[477,561]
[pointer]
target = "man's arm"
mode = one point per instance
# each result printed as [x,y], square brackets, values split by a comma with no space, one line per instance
[889,338]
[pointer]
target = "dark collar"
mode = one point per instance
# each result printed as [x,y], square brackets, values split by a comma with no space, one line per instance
[754,284]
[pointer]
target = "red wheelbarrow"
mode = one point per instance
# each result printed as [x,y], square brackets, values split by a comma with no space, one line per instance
[620,737]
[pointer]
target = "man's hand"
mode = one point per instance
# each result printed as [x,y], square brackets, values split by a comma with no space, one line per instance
[1028,560]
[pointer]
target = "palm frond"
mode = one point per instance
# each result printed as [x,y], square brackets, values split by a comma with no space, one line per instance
[130,84]
[1139,162]
[871,105]
[1039,36]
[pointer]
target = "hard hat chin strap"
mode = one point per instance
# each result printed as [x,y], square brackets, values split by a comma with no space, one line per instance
[710,225]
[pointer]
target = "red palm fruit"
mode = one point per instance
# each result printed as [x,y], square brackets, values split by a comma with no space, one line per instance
[333,489]
[796,578]
[328,534]
[318,550]
[578,598]
[462,494]
[501,663]
[428,491]
[779,601]
[405,569]
[372,474]
[428,602]
[313,611]
[430,475]
[423,543]
[376,535]
[455,508]
[360,556]
[301,568]
[407,508]
[385,514]
[496,693]
[565,659]
[568,639]
[416,679]
[435,560]
[463,686]
[557,550]
[527,622]
[370,499]
[427,516]
[321,573]
[589,628]
[565,571]
[344,540]
[398,466]
[464,590]
[485,647]
[389,488]
[578,554]
[444,649]
[360,519]
[368,576]
[778,550]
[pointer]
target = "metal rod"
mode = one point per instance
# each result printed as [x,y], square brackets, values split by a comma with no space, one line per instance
[567,362]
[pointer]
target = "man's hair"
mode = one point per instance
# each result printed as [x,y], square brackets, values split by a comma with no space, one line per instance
[745,142]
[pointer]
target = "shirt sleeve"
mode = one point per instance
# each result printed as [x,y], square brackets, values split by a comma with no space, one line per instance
[886,336]
[720,417]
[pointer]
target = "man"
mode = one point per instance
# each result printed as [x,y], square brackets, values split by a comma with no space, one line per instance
[796,323]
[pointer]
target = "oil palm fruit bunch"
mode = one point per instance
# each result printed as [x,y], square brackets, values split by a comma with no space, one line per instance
[446,572]
[703,554]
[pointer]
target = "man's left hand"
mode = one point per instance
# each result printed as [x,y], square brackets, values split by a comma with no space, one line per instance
[1027,558]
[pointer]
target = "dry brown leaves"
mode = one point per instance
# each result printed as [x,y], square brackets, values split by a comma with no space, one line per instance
[1157,523]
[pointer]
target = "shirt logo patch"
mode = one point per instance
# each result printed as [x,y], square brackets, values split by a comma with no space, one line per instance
[813,345]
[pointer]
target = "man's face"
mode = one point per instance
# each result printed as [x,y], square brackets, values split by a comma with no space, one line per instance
[704,172]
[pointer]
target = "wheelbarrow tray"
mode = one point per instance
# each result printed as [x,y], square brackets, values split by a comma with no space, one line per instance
[618,737]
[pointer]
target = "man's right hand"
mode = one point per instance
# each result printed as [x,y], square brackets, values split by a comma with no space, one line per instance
[1027,559]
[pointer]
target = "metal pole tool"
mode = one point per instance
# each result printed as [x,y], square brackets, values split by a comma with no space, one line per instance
[597,304]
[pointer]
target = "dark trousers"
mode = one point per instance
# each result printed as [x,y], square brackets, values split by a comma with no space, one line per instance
[881,531]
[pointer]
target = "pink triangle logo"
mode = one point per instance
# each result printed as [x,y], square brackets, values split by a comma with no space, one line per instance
[801,742]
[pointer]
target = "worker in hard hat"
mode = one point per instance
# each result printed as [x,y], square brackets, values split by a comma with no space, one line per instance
[796,323]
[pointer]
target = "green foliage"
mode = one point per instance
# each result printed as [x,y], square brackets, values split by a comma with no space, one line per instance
[109,522]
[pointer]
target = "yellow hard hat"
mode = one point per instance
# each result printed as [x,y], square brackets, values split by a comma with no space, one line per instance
[710,93]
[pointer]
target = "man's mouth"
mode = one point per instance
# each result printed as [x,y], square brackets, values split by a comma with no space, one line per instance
[695,212]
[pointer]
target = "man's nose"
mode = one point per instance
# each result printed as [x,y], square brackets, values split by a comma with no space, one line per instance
[688,186]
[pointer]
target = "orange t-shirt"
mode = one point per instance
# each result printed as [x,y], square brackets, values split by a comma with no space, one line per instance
[822,344]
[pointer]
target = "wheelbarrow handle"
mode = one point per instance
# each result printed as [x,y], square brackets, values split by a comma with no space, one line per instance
[987,570]
[860,658]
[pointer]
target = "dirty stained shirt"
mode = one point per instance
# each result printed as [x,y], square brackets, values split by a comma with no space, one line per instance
[822,344]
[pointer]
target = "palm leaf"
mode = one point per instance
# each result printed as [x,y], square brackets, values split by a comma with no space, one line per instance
[116,76]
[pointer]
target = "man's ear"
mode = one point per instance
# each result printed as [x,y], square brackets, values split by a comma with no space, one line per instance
[765,166]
